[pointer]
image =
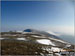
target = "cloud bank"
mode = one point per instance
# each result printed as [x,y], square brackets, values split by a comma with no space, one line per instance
[63,30]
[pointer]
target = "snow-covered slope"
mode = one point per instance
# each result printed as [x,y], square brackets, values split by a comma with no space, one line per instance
[49,38]
[33,31]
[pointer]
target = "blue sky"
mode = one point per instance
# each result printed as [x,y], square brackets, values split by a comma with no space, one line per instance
[56,16]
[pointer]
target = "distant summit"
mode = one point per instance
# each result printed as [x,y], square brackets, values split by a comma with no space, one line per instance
[27,30]
[33,31]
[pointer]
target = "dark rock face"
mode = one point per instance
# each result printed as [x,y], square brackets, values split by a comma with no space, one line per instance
[19,48]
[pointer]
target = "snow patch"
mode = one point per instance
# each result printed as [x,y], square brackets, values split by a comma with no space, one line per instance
[45,41]
[21,39]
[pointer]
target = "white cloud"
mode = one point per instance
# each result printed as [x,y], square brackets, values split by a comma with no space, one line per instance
[53,33]
[59,30]
[64,30]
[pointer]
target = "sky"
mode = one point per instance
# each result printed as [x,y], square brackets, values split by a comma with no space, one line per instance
[55,16]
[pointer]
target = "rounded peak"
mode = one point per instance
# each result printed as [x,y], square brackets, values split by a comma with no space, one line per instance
[30,30]
[27,30]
